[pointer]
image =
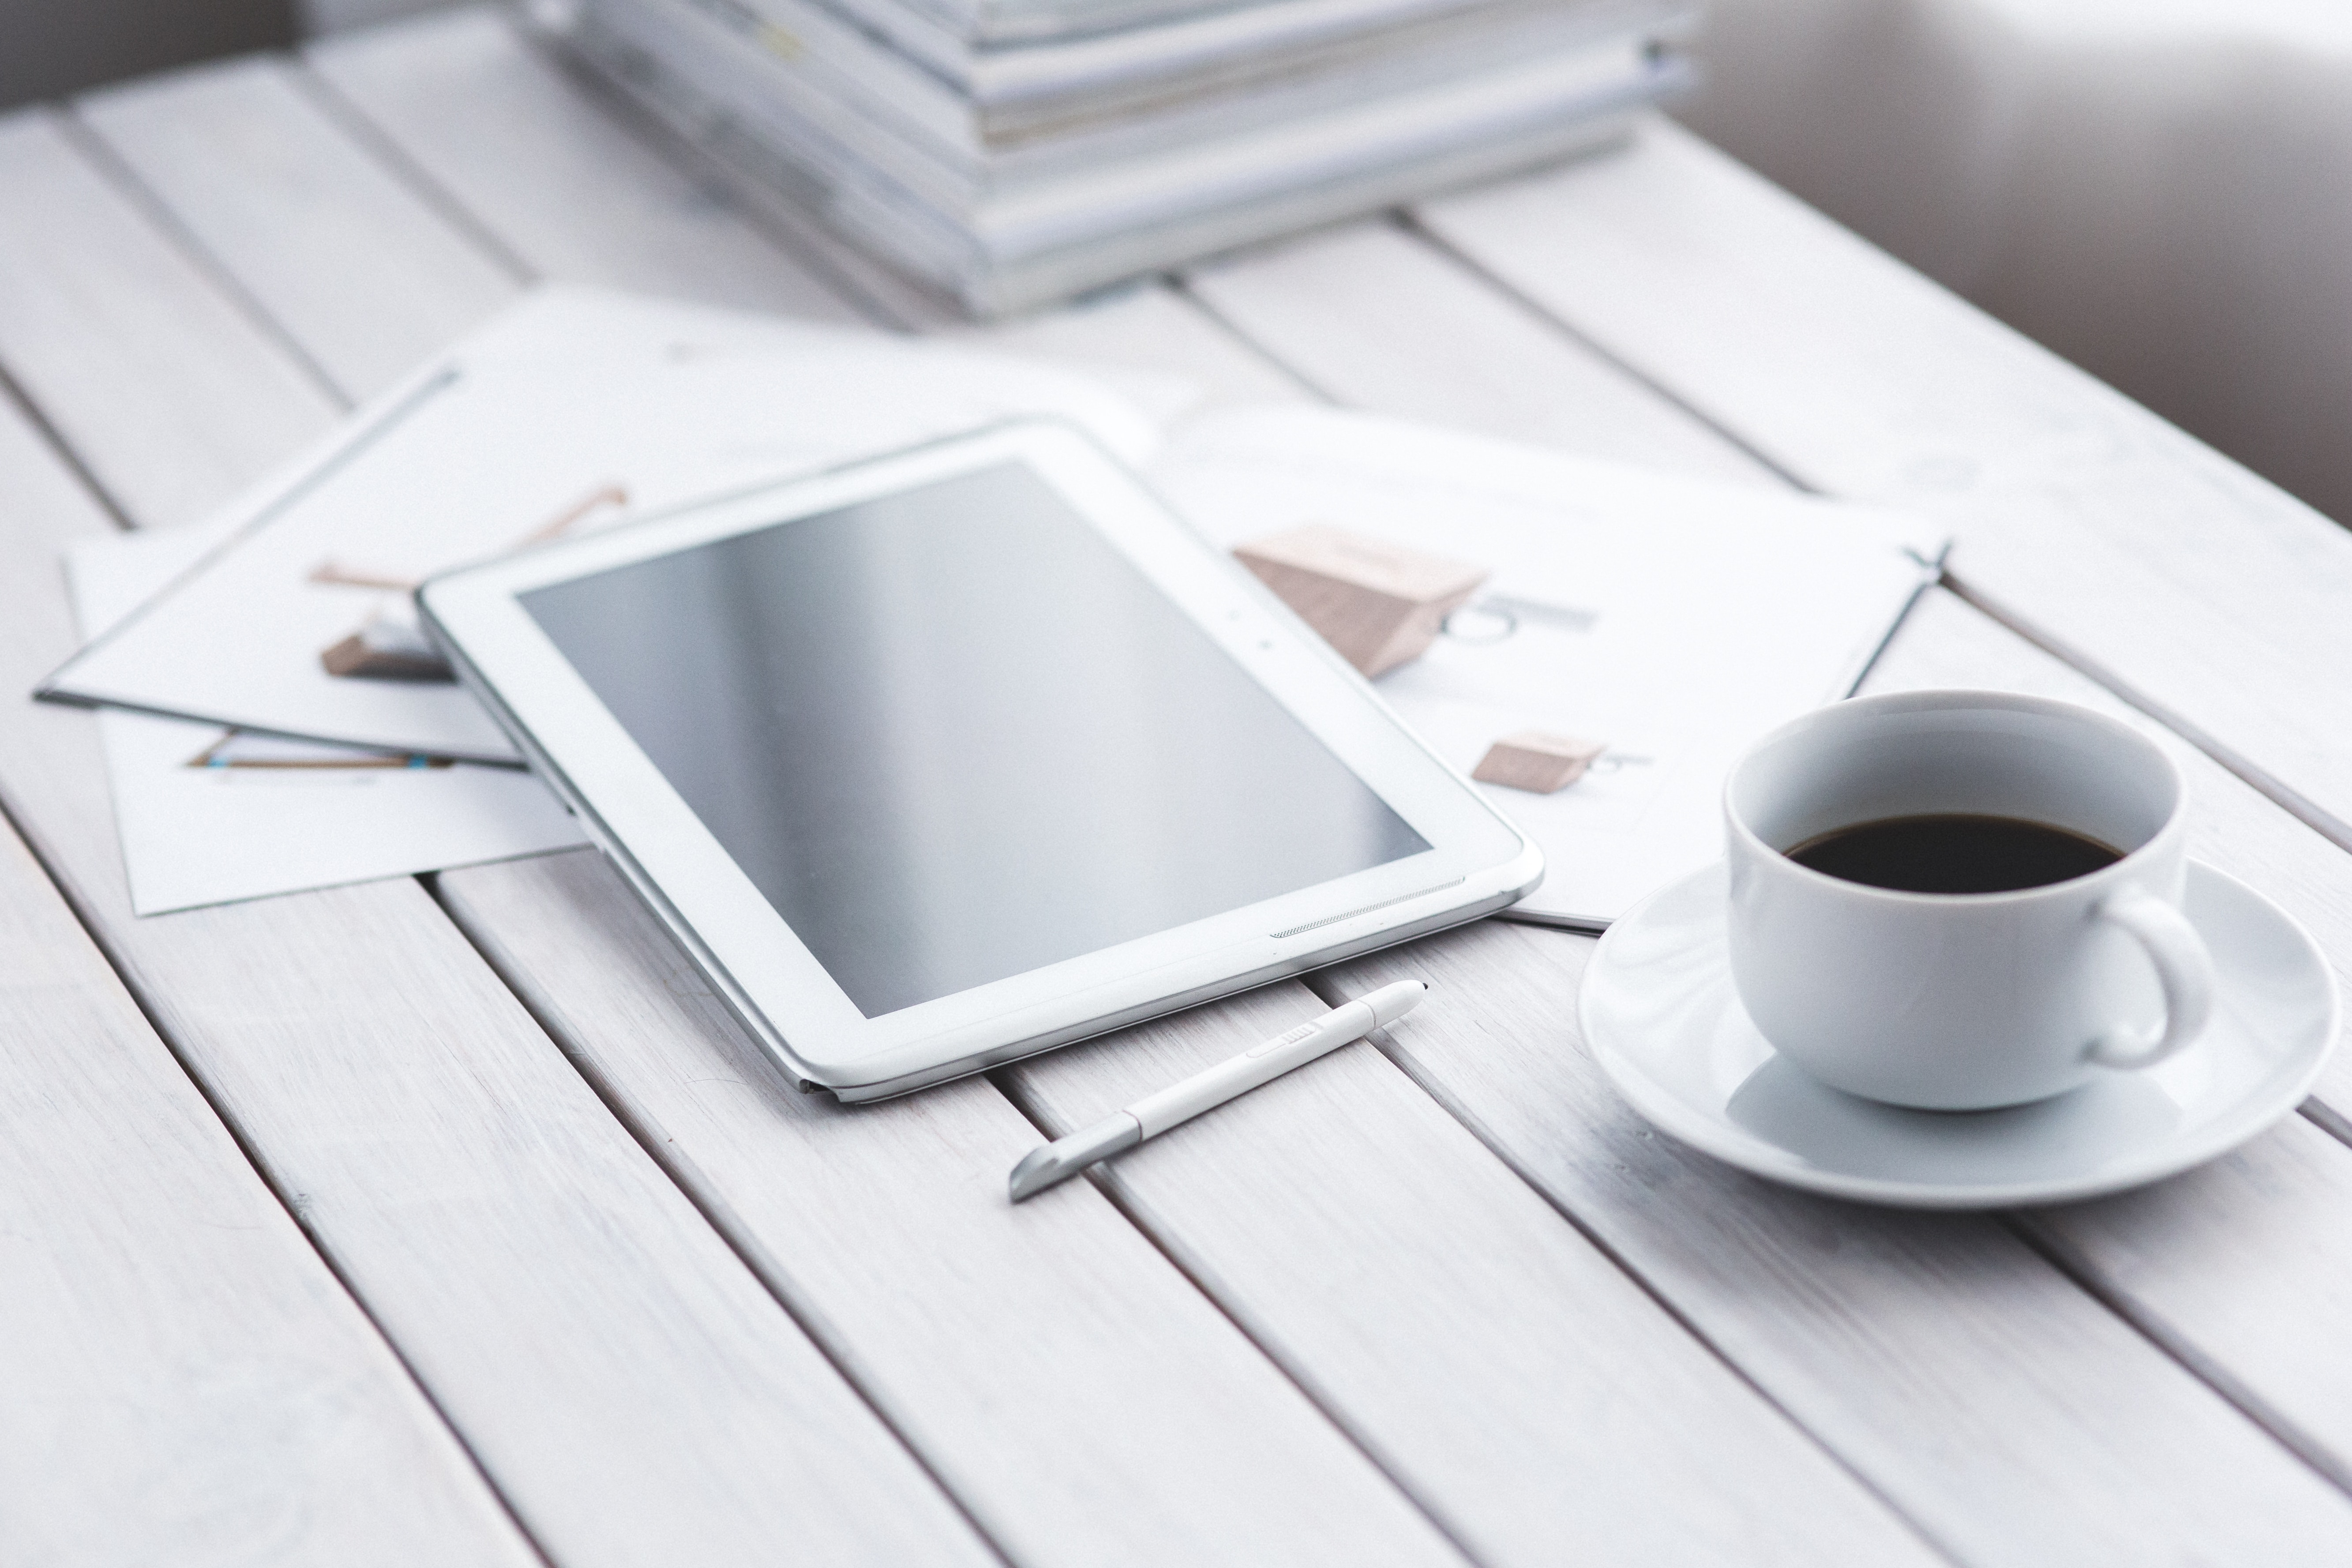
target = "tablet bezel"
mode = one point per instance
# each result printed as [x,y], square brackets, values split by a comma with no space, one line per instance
[1476,862]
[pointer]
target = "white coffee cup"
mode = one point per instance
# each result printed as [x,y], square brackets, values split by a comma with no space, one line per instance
[1964,1001]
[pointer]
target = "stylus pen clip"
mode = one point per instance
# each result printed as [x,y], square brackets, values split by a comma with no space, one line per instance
[1212,1086]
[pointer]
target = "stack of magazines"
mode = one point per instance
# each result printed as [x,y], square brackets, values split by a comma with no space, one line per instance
[1008,153]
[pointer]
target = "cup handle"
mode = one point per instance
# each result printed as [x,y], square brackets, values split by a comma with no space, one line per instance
[2183,968]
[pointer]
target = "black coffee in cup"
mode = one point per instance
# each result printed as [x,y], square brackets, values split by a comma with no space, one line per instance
[1953,854]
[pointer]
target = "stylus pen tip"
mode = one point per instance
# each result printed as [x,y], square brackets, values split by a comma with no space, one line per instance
[1041,1169]
[1066,1157]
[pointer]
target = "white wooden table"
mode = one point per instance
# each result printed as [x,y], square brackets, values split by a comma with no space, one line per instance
[449,1222]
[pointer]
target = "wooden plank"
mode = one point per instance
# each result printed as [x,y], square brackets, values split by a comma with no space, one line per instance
[2049,1396]
[630,1387]
[2243,1268]
[1501,1366]
[1072,1390]
[1150,327]
[2219,598]
[365,272]
[1500,1497]
[2008,1414]
[215,403]
[445,91]
[185,1381]
[1372,316]
[1078,1395]
[306,223]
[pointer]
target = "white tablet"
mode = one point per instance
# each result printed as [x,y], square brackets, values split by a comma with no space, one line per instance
[950,757]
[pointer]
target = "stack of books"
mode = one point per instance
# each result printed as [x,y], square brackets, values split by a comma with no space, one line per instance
[1008,153]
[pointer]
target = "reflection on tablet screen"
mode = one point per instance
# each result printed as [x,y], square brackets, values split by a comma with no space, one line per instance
[953,735]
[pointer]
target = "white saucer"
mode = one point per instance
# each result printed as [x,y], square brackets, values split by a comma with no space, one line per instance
[1660,1013]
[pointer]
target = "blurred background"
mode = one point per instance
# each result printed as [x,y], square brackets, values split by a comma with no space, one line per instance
[2158,190]
[51,47]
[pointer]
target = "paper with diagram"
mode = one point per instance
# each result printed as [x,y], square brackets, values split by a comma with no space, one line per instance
[208,814]
[1674,620]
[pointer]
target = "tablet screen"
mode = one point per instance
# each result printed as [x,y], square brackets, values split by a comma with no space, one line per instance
[954,735]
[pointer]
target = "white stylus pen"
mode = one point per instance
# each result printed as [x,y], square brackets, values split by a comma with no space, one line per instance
[1211,1087]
